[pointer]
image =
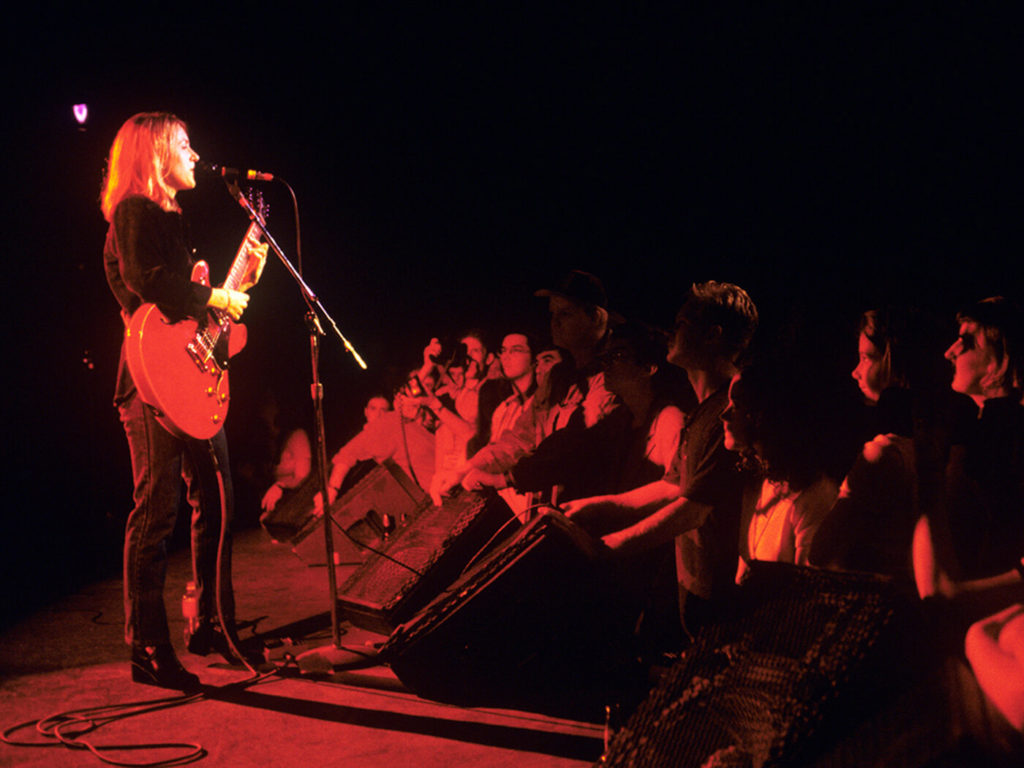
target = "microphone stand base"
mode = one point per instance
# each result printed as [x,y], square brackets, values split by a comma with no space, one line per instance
[331,658]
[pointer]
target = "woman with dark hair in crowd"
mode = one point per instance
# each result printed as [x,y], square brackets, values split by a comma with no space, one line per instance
[794,433]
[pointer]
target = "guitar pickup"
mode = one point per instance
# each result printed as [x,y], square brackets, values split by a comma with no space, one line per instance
[200,357]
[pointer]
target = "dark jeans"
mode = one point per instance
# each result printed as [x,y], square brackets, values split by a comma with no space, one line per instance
[159,462]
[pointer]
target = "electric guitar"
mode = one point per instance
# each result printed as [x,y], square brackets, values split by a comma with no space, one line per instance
[181,368]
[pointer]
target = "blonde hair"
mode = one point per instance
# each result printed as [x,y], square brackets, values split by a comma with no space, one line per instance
[138,162]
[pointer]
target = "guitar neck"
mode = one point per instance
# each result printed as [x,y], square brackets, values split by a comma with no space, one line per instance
[241,262]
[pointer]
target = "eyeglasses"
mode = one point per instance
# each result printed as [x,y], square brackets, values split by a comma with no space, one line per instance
[518,349]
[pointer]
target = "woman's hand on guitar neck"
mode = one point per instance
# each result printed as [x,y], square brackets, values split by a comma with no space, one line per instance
[232,302]
[257,255]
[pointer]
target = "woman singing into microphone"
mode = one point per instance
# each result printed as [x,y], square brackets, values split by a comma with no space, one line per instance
[147,258]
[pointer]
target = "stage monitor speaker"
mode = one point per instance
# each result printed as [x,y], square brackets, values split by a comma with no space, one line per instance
[543,623]
[421,558]
[380,503]
[808,658]
[292,512]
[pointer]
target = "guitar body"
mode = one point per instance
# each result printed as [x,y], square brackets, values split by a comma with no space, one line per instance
[181,369]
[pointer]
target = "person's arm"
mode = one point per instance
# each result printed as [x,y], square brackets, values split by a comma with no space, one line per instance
[995,649]
[972,598]
[674,518]
[370,443]
[614,512]
[667,430]
[507,448]
[572,451]
[930,574]
[432,350]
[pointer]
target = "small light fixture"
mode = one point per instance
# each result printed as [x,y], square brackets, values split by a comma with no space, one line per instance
[81,112]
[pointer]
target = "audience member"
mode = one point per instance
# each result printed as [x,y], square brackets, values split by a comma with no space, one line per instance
[454,400]
[517,383]
[376,407]
[975,530]
[698,501]
[404,435]
[632,446]
[985,480]
[793,429]
[292,468]
[900,372]
[969,538]
[580,320]
[579,324]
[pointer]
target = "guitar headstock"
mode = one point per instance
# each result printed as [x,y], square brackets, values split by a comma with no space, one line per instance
[258,204]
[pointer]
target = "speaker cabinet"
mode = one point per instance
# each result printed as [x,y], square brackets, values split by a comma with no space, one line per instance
[420,559]
[542,623]
[382,501]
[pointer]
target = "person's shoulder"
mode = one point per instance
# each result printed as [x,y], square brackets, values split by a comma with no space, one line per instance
[669,416]
[136,208]
[708,413]
[135,203]
[819,495]
[671,411]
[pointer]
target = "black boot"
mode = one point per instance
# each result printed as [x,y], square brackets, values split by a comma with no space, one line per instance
[157,665]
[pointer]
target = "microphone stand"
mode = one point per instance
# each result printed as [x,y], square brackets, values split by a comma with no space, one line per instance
[321,658]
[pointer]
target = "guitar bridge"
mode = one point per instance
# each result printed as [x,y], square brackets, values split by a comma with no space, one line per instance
[208,349]
[202,357]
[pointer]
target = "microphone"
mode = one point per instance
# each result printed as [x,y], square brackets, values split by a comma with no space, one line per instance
[232,173]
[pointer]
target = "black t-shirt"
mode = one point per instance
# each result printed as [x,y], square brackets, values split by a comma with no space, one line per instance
[706,472]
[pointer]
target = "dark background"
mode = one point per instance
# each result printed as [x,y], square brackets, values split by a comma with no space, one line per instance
[447,164]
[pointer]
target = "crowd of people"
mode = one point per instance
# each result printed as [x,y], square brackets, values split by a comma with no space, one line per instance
[706,449]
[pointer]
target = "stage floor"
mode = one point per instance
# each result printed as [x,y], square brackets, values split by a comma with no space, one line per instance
[70,656]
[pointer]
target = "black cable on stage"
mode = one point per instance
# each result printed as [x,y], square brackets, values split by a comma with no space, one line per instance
[67,729]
